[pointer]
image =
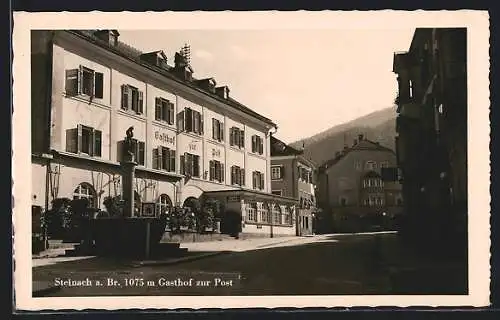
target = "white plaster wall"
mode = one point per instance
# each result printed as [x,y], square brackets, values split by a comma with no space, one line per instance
[38,184]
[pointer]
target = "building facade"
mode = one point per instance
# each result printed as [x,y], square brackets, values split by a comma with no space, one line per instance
[192,140]
[353,193]
[292,176]
[432,134]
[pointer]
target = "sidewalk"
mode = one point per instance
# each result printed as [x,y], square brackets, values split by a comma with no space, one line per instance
[236,245]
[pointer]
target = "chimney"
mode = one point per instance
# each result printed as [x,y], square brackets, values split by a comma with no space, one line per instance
[109,36]
[222,92]
[360,137]
[182,68]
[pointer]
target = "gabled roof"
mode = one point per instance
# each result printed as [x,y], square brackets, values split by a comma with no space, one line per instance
[364,144]
[279,148]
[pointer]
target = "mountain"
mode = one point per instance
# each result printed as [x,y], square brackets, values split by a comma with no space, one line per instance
[378,126]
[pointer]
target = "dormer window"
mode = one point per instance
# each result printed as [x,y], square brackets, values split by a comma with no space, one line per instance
[222,92]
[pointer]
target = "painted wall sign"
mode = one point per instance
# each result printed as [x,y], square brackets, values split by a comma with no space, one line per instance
[163,137]
[216,152]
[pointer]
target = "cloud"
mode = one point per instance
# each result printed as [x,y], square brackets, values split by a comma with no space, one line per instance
[204,55]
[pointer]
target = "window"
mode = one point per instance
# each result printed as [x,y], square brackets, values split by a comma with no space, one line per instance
[384,164]
[163,204]
[164,159]
[252,212]
[217,130]
[257,144]
[370,165]
[264,213]
[132,99]
[190,165]
[258,180]
[237,176]
[343,201]
[276,172]
[138,148]
[83,139]
[164,110]
[357,165]
[276,212]
[305,174]
[84,81]
[277,192]
[85,191]
[237,137]
[216,171]
[287,216]
[190,120]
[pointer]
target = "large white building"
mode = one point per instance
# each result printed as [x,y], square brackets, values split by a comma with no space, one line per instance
[192,139]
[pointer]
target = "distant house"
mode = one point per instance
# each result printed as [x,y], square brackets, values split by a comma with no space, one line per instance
[352,192]
[292,176]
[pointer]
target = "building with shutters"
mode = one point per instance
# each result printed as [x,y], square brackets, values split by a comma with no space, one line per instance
[353,193]
[292,176]
[192,140]
[431,137]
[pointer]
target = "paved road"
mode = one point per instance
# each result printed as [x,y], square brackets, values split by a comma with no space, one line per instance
[337,265]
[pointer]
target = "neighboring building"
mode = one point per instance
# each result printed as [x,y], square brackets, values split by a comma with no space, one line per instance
[193,141]
[352,193]
[292,176]
[432,134]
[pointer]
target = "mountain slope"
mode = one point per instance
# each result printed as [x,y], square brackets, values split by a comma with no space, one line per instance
[379,126]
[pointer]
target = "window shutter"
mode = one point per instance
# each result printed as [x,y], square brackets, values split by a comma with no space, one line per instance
[172,160]
[222,173]
[182,164]
[72,140]
[79,141]
[180,121]
[202,126]
[242,179]
[159,159]
[189,120]
[125,97]
[242,139]
[231,136]
[158,109]
[99,85]
[254,143]
[211,166]
[233,170]
[165,153]
[254,180]
[221,131]
[142,147]
[262,181]
[155,159]
[261,146]
[196,169]
[72,82]
[170,113]
[214,129]
[80,80]
[97,142]
[282,172]
[140,102]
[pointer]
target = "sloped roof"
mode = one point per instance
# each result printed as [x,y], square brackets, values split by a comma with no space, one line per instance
[364,144]
[279,148]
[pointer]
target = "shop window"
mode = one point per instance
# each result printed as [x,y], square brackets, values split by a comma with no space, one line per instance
[276,212]
[252,212]
[85,191]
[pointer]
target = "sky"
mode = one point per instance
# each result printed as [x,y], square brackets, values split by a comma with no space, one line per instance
[306,81]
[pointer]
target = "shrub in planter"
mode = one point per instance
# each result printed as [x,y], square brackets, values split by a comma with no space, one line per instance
[57,219]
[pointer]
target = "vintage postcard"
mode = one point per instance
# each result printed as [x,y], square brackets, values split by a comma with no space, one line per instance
[251,159]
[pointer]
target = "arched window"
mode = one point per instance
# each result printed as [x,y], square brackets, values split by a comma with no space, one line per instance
[85,191]
[163,204]
[287,216]
[276,214]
